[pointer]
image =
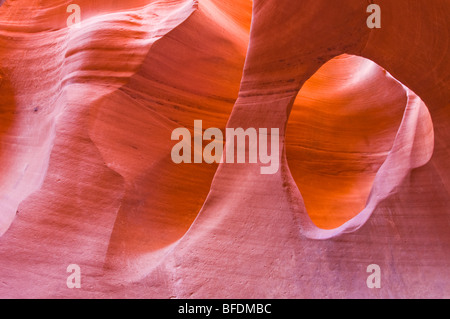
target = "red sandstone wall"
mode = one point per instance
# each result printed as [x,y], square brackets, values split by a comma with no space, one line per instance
[85,141]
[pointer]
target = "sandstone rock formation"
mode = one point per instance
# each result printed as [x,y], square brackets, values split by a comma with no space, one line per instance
[87,113]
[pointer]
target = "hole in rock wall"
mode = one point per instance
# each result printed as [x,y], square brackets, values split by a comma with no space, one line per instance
[344,124]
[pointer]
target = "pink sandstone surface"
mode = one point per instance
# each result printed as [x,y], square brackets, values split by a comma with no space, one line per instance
[85,141]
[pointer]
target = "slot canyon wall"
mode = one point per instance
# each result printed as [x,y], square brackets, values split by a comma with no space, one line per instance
[87,112]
